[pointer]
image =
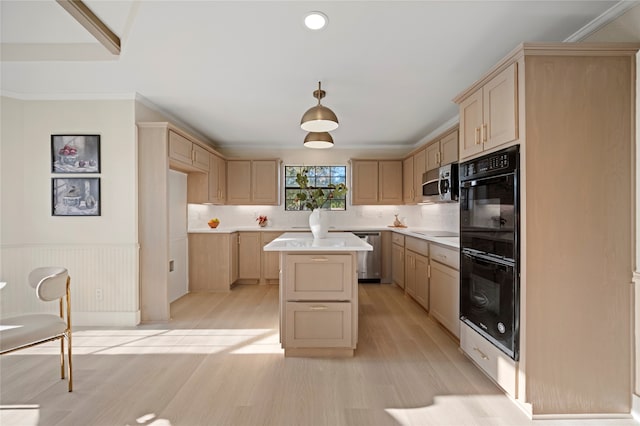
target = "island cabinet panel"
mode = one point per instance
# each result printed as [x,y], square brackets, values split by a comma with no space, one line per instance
[318,324]
[319,277]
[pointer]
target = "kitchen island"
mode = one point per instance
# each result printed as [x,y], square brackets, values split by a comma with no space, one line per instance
[318,292]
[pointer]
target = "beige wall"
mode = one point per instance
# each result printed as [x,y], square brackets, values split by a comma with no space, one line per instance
[101,252]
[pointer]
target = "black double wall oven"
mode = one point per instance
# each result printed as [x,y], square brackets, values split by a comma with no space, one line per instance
[490,248]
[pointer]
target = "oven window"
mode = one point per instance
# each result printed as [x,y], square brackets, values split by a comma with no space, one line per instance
[488,205]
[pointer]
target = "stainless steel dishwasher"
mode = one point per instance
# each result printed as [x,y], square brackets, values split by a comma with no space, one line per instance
[369,262]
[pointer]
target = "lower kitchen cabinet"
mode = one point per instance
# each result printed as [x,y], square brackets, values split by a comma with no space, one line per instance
[416,276]
[270,260]
[397,263]
[213,262]
[249,255]
[444,303]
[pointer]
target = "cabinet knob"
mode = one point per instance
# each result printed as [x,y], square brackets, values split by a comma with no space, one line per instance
[484,132]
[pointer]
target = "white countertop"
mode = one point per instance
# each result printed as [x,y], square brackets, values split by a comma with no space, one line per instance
[304,242]
[445,238]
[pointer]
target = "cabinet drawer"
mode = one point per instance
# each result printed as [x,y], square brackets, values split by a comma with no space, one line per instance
[397,239]
[497,365]
[318,325]
[319,276]
[446,256]
[417,245]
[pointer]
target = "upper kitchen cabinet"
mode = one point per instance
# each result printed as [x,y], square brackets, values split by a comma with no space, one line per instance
[253,182]
[217,179]
[407,180]
[414,167]
[442,151]
[186,155]
[376,182]
[489,115]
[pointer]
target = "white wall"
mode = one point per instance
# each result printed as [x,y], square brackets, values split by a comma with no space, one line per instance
[435,217]
[100,252]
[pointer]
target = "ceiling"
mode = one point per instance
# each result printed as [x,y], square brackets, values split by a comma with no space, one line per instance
[242,73]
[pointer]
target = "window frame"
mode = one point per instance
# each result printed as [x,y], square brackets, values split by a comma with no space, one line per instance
[340,177]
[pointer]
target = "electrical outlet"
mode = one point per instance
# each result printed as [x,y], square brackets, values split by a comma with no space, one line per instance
[99,294]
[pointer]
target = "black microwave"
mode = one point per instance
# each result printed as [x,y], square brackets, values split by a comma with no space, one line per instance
[440,185]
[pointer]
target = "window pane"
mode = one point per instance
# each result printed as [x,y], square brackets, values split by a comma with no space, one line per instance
[318,177]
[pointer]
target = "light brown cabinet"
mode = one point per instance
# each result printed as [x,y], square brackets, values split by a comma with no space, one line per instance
[252,182]
[376,182]
[213,262]
[443,151]
[408,183]
[249,255]
[217,179]
[489,116]
[186,155]
[444,287]
[319,300]
[416,274]
[270,260]
[397,259]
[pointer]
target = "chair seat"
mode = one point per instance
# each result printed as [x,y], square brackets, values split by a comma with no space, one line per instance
[24,330]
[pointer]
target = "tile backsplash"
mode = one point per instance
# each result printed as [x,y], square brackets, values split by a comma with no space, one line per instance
[442,217]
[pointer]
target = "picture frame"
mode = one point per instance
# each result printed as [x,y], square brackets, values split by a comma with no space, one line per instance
[77,196]
[75,153]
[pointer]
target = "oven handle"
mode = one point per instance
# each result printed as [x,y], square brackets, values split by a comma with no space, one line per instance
[486,181]
[484,259]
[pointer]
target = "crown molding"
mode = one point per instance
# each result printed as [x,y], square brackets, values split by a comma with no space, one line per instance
[68,96]
[607,16]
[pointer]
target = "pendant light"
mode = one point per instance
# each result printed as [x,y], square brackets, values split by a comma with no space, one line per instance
[318,140]
[319,118]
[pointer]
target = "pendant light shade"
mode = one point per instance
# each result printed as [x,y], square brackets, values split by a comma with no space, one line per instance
[318,140]
[319,118]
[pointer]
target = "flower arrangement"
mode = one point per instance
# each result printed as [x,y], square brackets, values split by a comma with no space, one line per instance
[262,220]
[315,198]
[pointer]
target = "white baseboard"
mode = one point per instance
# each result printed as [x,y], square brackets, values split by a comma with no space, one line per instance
[590,416]
[112,319]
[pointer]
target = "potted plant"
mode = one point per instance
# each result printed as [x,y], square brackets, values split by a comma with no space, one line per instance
[316,199]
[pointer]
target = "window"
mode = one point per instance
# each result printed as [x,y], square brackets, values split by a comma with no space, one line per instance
[319,177]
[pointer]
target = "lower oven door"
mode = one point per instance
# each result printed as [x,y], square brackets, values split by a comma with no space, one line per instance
[490,300]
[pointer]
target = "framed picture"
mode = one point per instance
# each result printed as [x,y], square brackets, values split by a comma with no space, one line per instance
[75,196]
[75,153]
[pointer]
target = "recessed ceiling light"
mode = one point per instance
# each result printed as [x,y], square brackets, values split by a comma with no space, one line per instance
[315,20]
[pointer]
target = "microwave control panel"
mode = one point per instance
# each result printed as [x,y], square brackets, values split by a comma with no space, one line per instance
[504,161]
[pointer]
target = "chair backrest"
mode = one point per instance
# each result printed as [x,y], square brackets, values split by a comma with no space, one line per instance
[50,282]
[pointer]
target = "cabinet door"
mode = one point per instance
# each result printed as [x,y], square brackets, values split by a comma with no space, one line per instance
[264,187]
[432,153]
[239,182]
[470,125]
[419,167]
[318,325]
[270,259]
[210,263]
[200,158]
[234,250]
[445,296]
[410,273]
[397,265]
[198,188]
[180,148]
[390,182]
[217,179]
[364,188]
[407,180]
[449,149]
[500,111]
[319,276]
[249,251]
[421,271]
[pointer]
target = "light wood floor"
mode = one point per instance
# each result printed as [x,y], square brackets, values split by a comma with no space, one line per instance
[218,362]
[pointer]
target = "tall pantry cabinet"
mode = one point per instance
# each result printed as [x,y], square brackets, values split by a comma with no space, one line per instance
[573,116]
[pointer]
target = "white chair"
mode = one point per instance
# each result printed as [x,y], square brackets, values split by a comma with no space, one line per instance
[24,331]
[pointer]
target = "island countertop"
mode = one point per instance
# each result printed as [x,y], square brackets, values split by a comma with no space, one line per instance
[304,242]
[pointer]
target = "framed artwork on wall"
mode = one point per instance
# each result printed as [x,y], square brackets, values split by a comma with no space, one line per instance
[75,196]
[75,153]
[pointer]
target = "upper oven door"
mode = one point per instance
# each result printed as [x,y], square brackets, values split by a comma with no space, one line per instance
[488,217]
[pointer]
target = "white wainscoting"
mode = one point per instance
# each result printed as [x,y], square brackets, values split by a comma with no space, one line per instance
[104,281]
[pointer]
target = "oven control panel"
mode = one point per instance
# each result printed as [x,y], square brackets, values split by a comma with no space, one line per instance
[491,164]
